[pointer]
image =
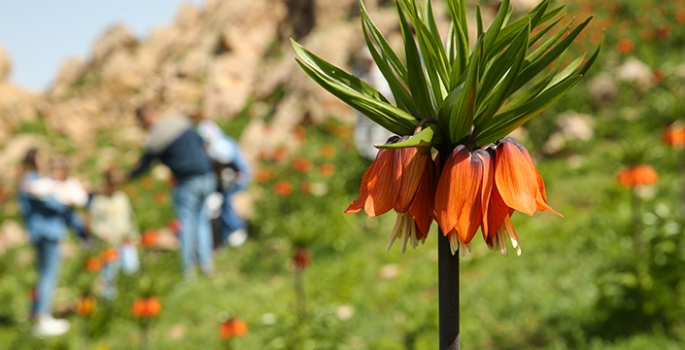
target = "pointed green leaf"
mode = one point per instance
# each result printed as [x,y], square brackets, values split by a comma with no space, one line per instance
[388,54]
[462,114]
[496,26]
[416,79]
[402,96]
[505,122]
[503,89]
[539,64]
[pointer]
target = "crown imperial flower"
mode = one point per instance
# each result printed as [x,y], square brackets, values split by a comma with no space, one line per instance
[473,99]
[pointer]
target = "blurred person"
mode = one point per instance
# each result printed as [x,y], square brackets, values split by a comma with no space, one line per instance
[112,219]
[366,132]
[172,140]
[46,219]
[233,174]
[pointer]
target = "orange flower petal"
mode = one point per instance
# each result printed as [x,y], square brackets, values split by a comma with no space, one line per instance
[380,185]
[409,166]
[358,204]
[422,207]
[515,178]
[498,211]
[486,187]
[457,201]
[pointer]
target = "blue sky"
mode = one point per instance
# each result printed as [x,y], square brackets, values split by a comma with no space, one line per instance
[40,34]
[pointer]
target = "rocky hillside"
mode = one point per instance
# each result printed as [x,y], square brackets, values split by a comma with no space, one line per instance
[226,58]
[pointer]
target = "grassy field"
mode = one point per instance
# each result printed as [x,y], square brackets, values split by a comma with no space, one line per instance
[579,284]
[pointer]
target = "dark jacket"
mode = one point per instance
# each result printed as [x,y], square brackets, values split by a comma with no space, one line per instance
[173,141]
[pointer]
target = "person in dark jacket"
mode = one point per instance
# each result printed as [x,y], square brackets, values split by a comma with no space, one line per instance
[46,219]
[172,140]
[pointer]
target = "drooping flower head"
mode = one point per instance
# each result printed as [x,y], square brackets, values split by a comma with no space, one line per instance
[674,136]
[232,328]
[146,307]
[401,179]
[86,305]
[474,96]
[637,175]
[482,189]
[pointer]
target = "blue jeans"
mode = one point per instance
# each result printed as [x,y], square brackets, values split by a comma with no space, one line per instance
[196,232]
[48,264]
[230,221]
[127,261]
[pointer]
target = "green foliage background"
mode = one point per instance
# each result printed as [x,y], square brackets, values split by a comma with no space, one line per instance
[578,284]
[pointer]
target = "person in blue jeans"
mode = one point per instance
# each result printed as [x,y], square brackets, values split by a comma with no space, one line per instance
[46,221]
[233,172]
[172,140]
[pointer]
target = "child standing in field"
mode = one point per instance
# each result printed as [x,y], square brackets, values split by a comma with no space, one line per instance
[112,220]
[46,204]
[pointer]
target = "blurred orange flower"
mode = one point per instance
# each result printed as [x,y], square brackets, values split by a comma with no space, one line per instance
[302,165]
[283,188]
[149,238]
[174,226]
[280,153]
[85,305]
[344,131]
[147,182]
[658,75]
[674,136]
[638,175]
[232,328]
[265,174]
[625,46]
[326,169]
[130,190]
[300,133]
[301,257]
[109,254]
[93,264]
[146,307]
[328,151]
[160,197]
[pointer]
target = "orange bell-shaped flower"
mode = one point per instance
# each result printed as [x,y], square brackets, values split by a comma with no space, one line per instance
[459,199]
[404,180]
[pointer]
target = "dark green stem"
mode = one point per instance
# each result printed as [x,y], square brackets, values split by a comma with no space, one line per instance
[448,294]
[636,223]
[300,295]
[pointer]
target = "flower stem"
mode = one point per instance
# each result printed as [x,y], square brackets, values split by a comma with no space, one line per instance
[448,294]
[637,223]
[299,289]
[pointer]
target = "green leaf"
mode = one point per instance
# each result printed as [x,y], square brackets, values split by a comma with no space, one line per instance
[388,54]
[539,64]
[592,59]
[499,66]
[416,79]
[463,112]
[355,93]
[496,25]
[402,96]
[429,136]
[479,21]
[535,90]
[503,90]
[508,32]
[505,122]
[457,12]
